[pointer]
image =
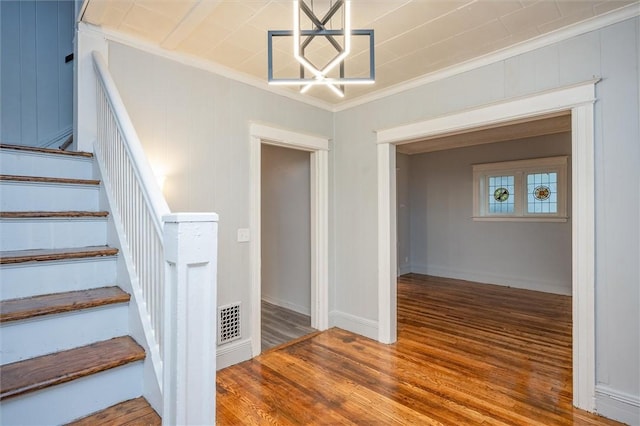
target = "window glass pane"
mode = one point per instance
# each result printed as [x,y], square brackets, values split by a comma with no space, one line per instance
[542,193]
[501,193]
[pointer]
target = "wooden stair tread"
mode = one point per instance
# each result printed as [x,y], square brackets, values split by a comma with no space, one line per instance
[30,307]
[42,255]
[50,214]
[42,179]
[46,150]
[49,370]
[133,412]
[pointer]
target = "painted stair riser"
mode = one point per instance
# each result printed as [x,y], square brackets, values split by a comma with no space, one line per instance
[24,234]
[39,196]
[52,333]
[38,164]
[72,400]
[35,278]
[25,339]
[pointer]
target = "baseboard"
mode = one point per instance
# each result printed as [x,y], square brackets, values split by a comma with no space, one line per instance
[354,324]
[555,287]
[404,269]
[304,310]
[617,405]
[233,353]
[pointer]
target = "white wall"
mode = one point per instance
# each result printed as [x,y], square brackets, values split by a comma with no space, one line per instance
[286,228]
[37,85]
[403,212]
[194,127]
[194,124]
[447,242]
[611,53]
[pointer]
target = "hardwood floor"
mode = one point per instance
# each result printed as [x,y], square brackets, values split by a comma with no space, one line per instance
[29,375]
[135,412]
[466,354]
[281,325]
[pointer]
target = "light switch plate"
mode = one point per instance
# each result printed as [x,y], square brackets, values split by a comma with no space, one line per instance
[243,235]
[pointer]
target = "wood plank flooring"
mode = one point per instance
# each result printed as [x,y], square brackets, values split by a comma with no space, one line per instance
[42,179]
[47,304]
[281,325]
[46,150]
[466,354]
[48,370]
[45,255]
[51,215]
[135,412]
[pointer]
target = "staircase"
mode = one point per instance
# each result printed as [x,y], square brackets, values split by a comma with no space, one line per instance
[65,352]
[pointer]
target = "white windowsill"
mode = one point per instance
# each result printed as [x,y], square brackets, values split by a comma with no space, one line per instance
[518,219]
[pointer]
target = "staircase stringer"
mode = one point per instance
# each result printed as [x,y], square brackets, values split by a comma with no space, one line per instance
[139,319]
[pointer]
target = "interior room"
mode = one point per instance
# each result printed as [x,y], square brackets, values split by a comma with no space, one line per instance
[437,197]
[440,235]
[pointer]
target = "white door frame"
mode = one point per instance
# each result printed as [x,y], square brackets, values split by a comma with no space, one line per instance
[319,178]
[578,99]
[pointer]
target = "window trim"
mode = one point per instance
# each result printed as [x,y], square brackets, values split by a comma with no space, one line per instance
[519,169]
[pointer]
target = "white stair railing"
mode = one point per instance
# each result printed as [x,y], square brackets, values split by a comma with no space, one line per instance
[172,263]
[136,194]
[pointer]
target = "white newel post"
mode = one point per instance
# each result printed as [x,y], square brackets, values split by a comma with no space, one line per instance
[189,356]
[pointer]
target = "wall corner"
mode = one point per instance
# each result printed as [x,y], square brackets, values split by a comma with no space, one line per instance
[85,122]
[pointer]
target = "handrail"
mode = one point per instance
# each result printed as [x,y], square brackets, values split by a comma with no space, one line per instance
[143,170]
[171,260]
[137,205]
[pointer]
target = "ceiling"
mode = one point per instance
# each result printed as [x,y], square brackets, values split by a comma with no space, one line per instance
[412,38]
[520,129]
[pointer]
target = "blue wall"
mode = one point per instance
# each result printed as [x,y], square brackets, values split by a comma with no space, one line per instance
[36,105]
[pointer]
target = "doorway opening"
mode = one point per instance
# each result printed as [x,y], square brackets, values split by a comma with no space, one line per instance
[286,245]
[316,150]
[443,233]
[578,100]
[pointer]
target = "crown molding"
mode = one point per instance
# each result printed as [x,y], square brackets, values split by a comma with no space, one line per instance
[199,63]
[592,24]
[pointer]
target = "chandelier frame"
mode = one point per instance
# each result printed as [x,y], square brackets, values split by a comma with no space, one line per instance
[310,75]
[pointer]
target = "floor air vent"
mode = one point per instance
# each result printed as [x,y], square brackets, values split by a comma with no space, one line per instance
[228,323]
